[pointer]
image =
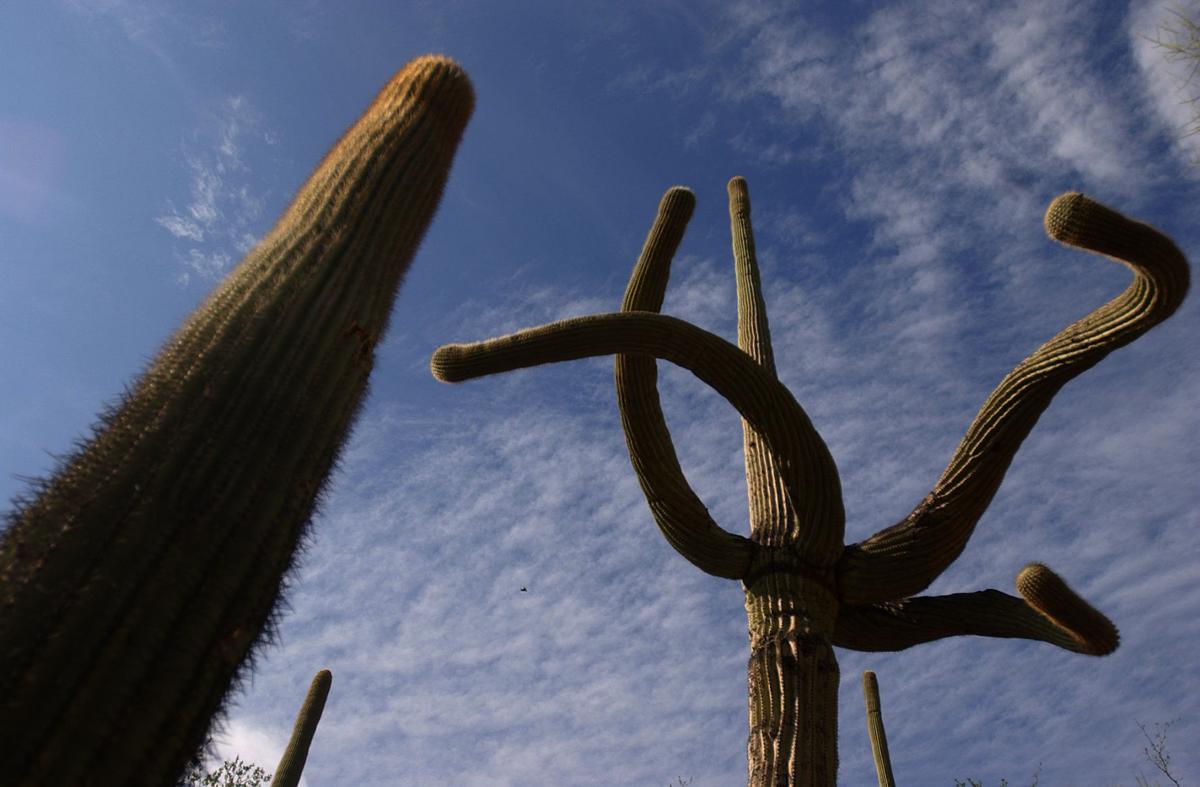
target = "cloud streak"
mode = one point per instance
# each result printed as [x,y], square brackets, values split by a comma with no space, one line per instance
[223,210]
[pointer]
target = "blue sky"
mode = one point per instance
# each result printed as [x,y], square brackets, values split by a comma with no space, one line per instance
[899,161]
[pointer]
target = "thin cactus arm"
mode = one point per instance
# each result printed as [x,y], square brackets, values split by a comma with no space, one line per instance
[754,333]
[135,584]
[291,764]
[1049,611]
[679,513]
[774,522]
[675,506]
[904,559]
[876,732]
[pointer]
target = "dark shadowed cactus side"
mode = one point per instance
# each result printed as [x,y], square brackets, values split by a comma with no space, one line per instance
[291,764]
[135,582]
[807,592]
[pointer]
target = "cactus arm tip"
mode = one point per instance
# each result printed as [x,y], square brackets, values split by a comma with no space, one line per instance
[1047,611]
[1051,597]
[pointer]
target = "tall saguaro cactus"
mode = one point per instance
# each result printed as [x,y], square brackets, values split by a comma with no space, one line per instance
[135,583]
[806,592]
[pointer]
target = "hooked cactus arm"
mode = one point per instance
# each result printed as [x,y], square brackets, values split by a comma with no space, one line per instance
[681,516]
[134,585]
[904,559]
[1048,611]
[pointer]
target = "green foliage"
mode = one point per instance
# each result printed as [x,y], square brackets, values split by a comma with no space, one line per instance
[232,773]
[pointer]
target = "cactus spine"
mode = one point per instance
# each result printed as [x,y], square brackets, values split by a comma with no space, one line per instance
[806,591]
[134,584]
[879,747]
[291,764]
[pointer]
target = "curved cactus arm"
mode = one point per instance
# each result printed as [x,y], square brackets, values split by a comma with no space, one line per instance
[134,586]
[903,559]
[291,764]
[758,396]
[681,516]
[879,747]
[1049,611]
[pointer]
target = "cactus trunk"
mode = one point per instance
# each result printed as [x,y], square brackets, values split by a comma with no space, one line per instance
[135,583]
[792,683]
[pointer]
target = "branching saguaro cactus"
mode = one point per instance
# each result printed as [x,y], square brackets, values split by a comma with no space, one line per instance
[805,591]
[135,582]
[291,764]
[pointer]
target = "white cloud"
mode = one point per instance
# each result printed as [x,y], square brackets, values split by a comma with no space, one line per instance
[153,25]
[254,745]
[224,208]
[181,227]
[1169,79]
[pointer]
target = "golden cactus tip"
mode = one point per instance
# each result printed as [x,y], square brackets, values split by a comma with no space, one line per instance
[806,590]
[136,581]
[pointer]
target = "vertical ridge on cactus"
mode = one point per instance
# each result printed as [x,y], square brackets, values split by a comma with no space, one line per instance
[291,764]
[135,583]
[806,592]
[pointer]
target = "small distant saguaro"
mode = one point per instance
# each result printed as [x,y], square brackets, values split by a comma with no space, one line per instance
[291,764]
[806,591]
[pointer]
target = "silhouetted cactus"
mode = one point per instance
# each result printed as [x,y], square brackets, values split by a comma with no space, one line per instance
[805,591]
[134,584]
[291,764]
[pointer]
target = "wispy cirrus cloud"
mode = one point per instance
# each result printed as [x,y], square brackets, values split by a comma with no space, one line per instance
[1169,77]
[153,25]
[219,216]
[223,209]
